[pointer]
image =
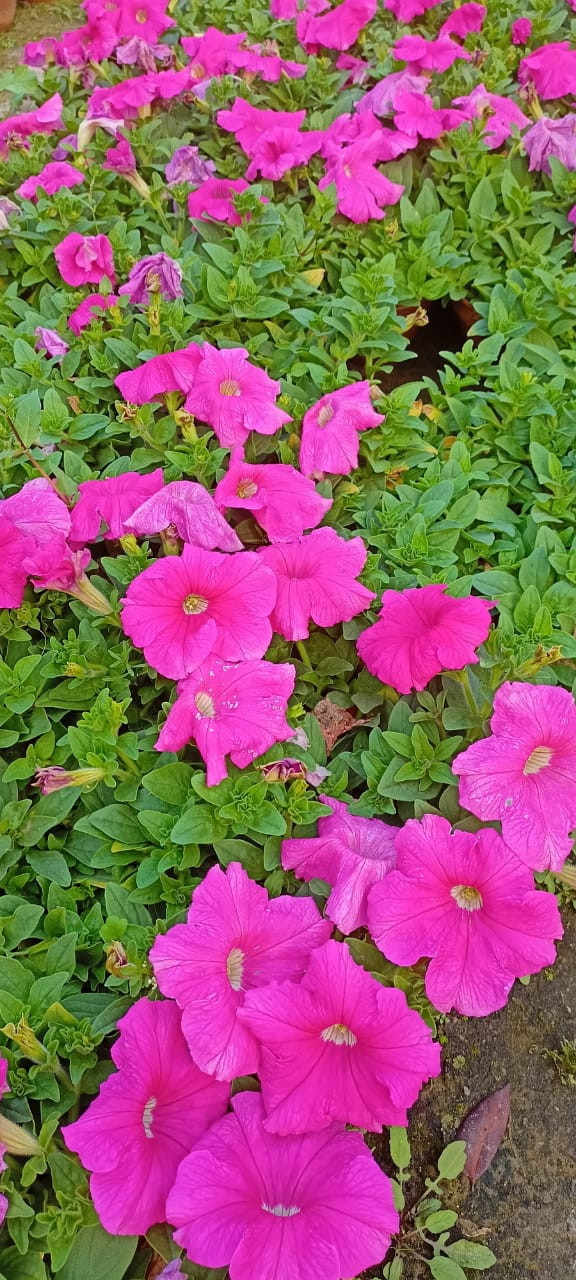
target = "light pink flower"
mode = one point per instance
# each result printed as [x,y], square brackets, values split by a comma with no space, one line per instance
[281,149]
[147,19]
[85,313]
[461,22]
[146,1118]
[248,123]
[316,581]
[233,396]
[85,259]
[362,191]
[338,1046]
[191,511]
[182,609]
[421,632]
[552,70]
[499,114]
[524,774]
[157,273]
[110,501]
[551,137]
[174,371]
[330,430]
[381,99]
[188,165]
[44,119]
[304,1207]
[349,853]
[337,28]
[521,30]
[214,198]
[466,901]
[38,511]
[50,342]
[428,55]
[51,178]
[280,498]
[235,938]
[407,10]
[14,547]
[235,709]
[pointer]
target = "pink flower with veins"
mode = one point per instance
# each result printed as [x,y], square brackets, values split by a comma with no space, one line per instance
[407,10]
[270,67]
[316,581]
[55,567]
[280,498]
[215,53]
[234,396]
[551,69]
[44,119]
[51,178]
[50,343]
[428,55]
[524,774]
[160,375]
[385,144]
[183,609]
[500,115]
[381,99]
[358,70]
[248,123]
[316,1205]
[284,10]
[330,429]
[14,547]
[468,18]
[466,901]
[415,113]
[86,312]
[214,198]
[236,709]
[235,938]
[337,28]
[38,511]
[85,259]
[146,1118]
[362,191]
[110,502]
[550,137]
[421,632]
[338,1046]
[521,31]
[191,511]
[349,853]
[281,149]
[147,19]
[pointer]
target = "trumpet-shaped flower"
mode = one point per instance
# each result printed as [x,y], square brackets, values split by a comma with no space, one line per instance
[235,938]
[190,511]
[44,119]
[362,191]
[316,580]
[174,371]
[318,27]
[14,547]
[550,137]
[281,149]
[110,501]
[551,69]
[147,19]
[467,902]
[38,511]
[428,55]
[330,430]
[85,259]
[280,498]
[214,198]
[50,342]
[382,98]
[88,309]
[187,165]
[234,397]
[461,22]
[156,274]
[421,632]
[248,123]
[499,115]
[521,30]
[51,178]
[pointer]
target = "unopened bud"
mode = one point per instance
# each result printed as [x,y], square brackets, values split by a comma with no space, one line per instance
[16,1140]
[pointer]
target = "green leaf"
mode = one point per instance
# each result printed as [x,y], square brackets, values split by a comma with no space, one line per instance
[446,1269]
[52,865]
[400,1151]
[452,1160]
[99,1256]
[171,783]
[27,417]
[15,1267]
[443,1220]
[198,825]
[47,813]
[469,1254]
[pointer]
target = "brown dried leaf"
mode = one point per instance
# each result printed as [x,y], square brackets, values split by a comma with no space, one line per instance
[334,721]
[483,1131]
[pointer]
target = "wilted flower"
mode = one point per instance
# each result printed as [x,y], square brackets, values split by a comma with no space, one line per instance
[187,165]
[549,137]
[551,69]
[110,502]
[338,28]
[156,274]
[7,208]
[191,511]
[88,309]
[50,342]
[330,430]
[521,30]
[54,778]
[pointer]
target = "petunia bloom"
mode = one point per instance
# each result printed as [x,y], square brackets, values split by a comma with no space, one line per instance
[415,113]
[235,709]
[362,191]
[38,511]
[147,19]
[190,511]
[421,632]
[235,938]
[428,55]
[121,158]
[85,259]
[187,165]
[44,119]
[214,53]
[14,547]
[467,902]
[330,430]
[498,114]
[51,178]
[156,274]
[551,69]
[521,30]
[156,377]
[316,581]
[248,123]
[281,499]
[337,28]
[524,774]
[110,501]
[55,566]
[234,396]
[214,198]
[146,1118]
[7,209]
[382,98]
[351,854]
[316,1205]
[464,20]
[407,10]
[183,608]
[281,149]
[50,342]
[550,137]
[338,1046]
[88,309]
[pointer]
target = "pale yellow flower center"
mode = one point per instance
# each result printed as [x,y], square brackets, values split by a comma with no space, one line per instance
[281,1210]
[325,415]
[147,1116]
[338,1033]
[205,704]
[229,387]
[194,604]
[246,489]
[468,898]
[538,759]
[235,968]
[141,16]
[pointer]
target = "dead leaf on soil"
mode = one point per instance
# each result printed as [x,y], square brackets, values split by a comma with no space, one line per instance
[483,1131]
[334,721]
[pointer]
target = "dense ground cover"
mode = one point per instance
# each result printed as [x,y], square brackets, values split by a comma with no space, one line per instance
[160,527]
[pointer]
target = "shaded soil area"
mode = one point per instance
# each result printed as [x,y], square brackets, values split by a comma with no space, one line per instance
[35,21]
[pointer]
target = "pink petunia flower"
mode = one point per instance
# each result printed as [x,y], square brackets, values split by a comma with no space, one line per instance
[382,98]
[551,69]
[147,19]
[415,113]
[467,902]
[215,53]
[316,581]
[358,70]
[499,114]
[7,209]
[182,609]
[155,274]
[284,10]
[146,1118]
[234,397]
[316,1205]
[337,28]
[38,511]
[281,149]
[407,10]
[51,178]
[160,375]
[14,547]
[85,313]
[235,938]
[235,709]
[550,137]
[524,774]
[122,101]
[214,198]
[44,119]
[191,511]
[362,191]
[421,632]
[521,30]
[110,501]
[85,259]
[55,566]
[135,52]
[351,854]
[330,430]
[187,165]
[280,498]
[385,144]
[428,55]
[248,123]
[121,158]
[269,66]
[338,1046]
[461,22]
[50,342]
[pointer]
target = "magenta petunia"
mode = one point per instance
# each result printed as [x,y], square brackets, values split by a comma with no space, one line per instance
[234,396]
[147,19]
[499,115]
[50,342]
[174,371]
[121,158]
[280,149]
[145,1119]
[421,632]
[46,118]
[551,69]
[351,854]
[428,55]
[88,309]
[188,165]
[362,191]
[281,499]
[85,259]
[214,53]
[214,198]
[464,20]
[407,10]
[521,30]
[230,708]
[51,178]
[338,1046]
[305,1207]
[269,66]
[155,274]
[551,137]
[189,510]
[248,123]
[316,578]
[415,113]
[382,98]
[14,547]
[319,27]
[330,430]
[37,510]
[466,901]
[183,608]
[524,774]
[110,502]
[235,938]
